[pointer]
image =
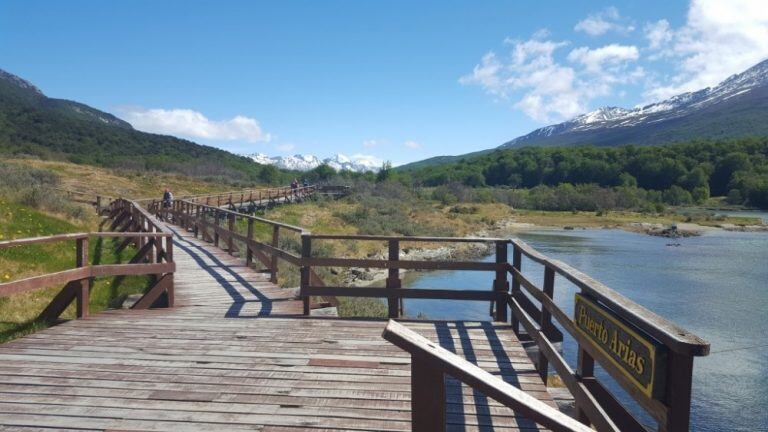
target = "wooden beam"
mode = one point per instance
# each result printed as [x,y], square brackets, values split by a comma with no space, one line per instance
[153,294]
[440,359]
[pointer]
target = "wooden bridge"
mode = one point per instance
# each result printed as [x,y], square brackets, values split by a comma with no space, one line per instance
[225,348]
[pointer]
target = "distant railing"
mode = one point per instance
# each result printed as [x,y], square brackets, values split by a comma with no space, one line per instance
[239,199]
[129,222]
[648,356]
[97,201]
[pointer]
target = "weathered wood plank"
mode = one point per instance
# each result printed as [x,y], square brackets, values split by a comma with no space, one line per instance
[201,366]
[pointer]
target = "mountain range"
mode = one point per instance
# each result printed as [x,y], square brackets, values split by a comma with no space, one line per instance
[300,162]
[737,107]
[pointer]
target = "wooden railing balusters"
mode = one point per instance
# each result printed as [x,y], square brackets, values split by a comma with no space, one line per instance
[217,225]
[393,279]
[678,394]
[248,250]
[546,320]
[273,270]
[428,396]
[517,263]
[500,284]
[136,225]
[306,252]
[231,227]
[83,285]
[169,258]
[585,369]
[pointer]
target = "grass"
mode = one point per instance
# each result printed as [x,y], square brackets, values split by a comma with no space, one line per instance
[18,313]
[120,182]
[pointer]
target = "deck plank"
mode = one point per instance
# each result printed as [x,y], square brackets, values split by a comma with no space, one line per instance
[236,353]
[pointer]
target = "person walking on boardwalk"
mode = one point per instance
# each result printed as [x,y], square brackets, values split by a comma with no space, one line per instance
[167,198]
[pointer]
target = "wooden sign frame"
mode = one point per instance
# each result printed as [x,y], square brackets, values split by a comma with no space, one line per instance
[637,356]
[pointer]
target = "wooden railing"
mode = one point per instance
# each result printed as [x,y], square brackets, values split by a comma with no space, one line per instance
[241,198]
[99,202]
[660,383]
[129,222]
[430,364]
[220,227]
[392,290]
[666,397]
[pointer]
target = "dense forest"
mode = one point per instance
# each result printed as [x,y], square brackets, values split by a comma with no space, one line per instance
[676,174]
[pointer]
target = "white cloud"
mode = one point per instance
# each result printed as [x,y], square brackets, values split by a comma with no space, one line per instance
[486,74]
[552,90]
[602,22]
[658,33]
[370,143]
[412,144]
[594,60]
[719,39]
[193,124]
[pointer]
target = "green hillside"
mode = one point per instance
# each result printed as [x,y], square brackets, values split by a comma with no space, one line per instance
[32,124]
[737,168]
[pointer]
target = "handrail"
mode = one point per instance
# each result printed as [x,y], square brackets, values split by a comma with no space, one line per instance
[675,337]
[595,404]
[429,363]
[608,325]
[75,236]
[220,210]
[408,238]
[133,224]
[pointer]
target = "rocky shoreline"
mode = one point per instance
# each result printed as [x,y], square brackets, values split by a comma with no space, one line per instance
[459,251]
[470,251]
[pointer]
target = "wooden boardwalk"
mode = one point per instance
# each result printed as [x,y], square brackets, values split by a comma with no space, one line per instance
[235,353]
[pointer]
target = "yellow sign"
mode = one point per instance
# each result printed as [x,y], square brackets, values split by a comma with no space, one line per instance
[637,356]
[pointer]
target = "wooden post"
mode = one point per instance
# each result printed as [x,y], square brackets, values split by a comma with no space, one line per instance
[187,213]
[197,220]
[231,228]
[84,285]
[393,279]
[678,392]
[585,368]
[248,250]
[306,252]
[142,223]
[273,261]
[517,262]
[500,284]
[427,396]
[169,258]
[546,320]
[215,230]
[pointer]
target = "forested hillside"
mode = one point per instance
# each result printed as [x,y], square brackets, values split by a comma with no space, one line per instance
[35,125]
[693,171]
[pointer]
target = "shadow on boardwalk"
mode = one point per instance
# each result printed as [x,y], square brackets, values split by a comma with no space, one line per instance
[199,254]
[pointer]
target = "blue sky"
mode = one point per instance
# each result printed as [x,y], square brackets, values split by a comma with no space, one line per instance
[394,80]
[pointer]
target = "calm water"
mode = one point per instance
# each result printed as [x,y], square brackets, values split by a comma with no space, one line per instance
[715,285]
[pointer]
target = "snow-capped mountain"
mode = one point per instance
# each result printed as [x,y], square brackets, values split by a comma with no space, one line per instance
[735,107]
[299,162]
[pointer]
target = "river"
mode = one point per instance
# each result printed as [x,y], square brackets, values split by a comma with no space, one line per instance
[715,285]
